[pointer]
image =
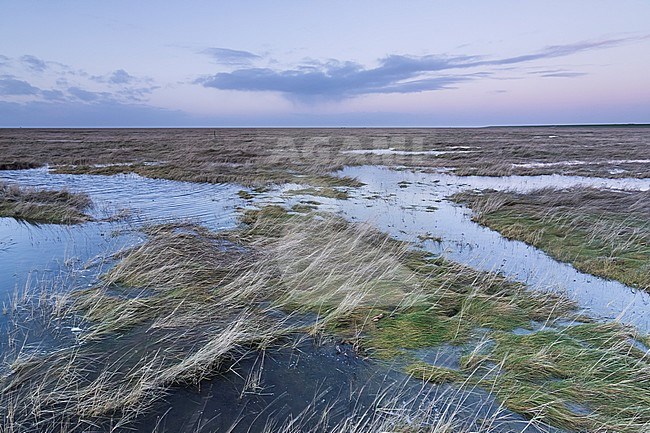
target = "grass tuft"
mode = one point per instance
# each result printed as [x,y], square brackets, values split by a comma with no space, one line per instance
[43,205]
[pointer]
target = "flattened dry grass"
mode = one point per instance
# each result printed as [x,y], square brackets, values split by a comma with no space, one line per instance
[43,205]
[601,232]
[179,308]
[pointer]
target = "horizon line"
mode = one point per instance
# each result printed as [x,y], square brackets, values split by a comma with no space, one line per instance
[544,125]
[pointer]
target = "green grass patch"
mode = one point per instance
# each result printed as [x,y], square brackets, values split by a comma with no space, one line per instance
[601,232]
[594,367]
[433,373]
[410,330]
[455,303]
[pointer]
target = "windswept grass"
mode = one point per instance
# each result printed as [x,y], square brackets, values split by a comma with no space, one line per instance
[182,307]
[188,304]
[601,232]
[43,205]
[586,377]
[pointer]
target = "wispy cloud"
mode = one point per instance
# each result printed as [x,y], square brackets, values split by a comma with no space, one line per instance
[226,56]
[61,83]
[126,86]
[557,73]
[13,87]
[33,63]
[86,95]
[121,77]
[53,95]
[554,51]
[394,73]
[563,74]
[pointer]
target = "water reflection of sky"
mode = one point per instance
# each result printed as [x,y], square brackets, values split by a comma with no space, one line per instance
[403,203]
[47,251]
[408,211]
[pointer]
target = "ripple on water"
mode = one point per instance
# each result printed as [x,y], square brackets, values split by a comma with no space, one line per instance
[47,250]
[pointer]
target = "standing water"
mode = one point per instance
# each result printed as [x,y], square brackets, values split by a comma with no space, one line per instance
[122,204]
[407,204]
[402,203]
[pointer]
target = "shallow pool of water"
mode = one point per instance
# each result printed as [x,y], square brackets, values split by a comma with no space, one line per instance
[302,382]
[31,252]
[407,205]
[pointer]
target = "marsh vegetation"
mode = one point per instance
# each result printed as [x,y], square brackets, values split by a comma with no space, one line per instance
[43,205]
[601,232]
[197,306]
[190,304]
[309,156]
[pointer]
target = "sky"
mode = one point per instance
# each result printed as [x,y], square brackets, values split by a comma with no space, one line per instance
[335,63]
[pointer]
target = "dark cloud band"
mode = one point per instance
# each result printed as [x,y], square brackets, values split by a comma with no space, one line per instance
[395,73]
